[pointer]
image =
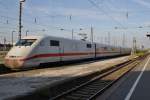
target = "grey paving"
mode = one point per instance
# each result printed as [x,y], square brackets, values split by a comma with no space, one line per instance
[120,90]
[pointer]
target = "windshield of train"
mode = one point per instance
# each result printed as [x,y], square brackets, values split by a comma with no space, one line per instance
[25,42]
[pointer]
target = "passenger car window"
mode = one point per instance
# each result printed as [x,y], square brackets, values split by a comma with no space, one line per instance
[54,43]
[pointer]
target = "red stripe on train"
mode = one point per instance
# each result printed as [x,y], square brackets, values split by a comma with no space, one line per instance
[61,55]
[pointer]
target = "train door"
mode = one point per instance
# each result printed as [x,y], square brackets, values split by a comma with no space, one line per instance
[61,51]
[55,48]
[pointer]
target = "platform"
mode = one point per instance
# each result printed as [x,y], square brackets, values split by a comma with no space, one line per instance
[134,86]
[21,83]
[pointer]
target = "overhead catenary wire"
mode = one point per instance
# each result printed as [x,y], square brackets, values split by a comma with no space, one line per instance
[56,27]
[29,22]
[97,6]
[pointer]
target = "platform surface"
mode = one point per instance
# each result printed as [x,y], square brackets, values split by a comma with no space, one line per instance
[20,83]
[134,86]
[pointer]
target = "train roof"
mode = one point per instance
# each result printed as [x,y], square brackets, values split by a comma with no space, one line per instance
[47,36]
[42,37]
[33,37]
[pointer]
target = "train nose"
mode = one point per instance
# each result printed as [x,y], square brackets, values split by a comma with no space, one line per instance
[13,63]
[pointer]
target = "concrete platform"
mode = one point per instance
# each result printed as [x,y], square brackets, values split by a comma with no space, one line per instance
[20,83]
[133,86]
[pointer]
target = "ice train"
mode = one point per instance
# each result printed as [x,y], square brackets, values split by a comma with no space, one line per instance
[33,51]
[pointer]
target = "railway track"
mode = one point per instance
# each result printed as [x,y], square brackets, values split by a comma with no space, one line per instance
[96,86]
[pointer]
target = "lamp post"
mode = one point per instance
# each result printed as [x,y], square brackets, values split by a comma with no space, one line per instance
[72,32]
[4,44]
[12,37]
[20,17]
[27,32]
[92,34]
[134,46]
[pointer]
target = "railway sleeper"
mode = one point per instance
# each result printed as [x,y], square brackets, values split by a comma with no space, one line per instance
[69,97]
[84,95]
[89,89]
[102,81]
[91,92]
[97,84]
[83,92]
[78,97]
[95,87]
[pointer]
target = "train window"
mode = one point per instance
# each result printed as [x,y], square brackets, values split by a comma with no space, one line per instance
[54,43]
[88,45]
[25,42]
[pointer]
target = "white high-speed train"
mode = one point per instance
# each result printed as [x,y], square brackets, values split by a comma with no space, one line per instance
[33,51]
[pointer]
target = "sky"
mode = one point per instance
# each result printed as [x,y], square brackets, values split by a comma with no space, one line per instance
[117,21]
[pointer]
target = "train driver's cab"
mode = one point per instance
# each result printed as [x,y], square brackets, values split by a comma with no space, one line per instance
[25,42]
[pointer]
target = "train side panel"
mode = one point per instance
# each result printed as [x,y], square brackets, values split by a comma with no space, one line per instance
[104,50]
